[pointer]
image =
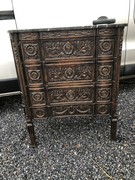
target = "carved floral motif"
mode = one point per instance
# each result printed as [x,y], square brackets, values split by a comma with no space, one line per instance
[57,49]
[31,50]
[71,94]
[104,72]
[103,94]
[66,73]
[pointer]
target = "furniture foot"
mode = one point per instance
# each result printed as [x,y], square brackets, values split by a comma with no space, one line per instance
[31,132]
[113,128]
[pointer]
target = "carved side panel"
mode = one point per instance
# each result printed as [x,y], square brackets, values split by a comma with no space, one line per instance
[103,94]
[37,96]
[30,50]
[65,72]
[39,112]
[103,109]
[58,95]
[105,47]
[69,48]
[33,74]
[83,109]
[104,71]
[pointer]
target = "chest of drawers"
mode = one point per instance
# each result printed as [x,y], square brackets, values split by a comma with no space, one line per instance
[68,72]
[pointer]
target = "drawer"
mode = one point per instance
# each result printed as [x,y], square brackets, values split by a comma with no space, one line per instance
[71,110]
[57,49]
[33,74]
[39,112]
[37,96]
[65,72]
[70,94]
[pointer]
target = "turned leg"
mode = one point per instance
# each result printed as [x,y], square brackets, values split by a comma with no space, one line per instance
[113,127]
[31,132]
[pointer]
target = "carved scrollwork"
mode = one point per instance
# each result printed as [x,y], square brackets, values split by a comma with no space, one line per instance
[74,94]
[66,73]
[72,110]
[58,49]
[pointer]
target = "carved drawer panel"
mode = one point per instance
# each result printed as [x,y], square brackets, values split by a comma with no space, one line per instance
[105,47]
[69,72]
[103,93]
[70,94]
[104,71]
[33,74]
[70,110]
[103,109]
[59,49]
[37,96]
[39,112]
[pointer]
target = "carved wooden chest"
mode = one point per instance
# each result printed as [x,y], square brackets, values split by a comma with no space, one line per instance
[69,72]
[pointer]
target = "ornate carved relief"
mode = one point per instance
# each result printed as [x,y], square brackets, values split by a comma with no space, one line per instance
[28,36]
[104,72]
[106,31]
[71,94]
[59,49]
[31,51]
[39,113]
[73,110]
[103,94]
[103,109]
[105,47]
[67,34]
[34,74]
[70,73]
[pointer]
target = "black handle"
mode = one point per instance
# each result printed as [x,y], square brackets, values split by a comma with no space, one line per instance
[103,20]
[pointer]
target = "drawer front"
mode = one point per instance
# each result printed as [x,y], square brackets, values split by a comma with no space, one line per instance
[70,110]
[64,48]
[70,94]
[69,72]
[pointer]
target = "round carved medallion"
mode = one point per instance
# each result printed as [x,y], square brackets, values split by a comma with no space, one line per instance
[37,97]
[102,109]
[40,113]
[71,110]
[104,93]
[31,49]
[70,95]
[69,73]
[68,48]
[34,75]
[105,71]
[105,46]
